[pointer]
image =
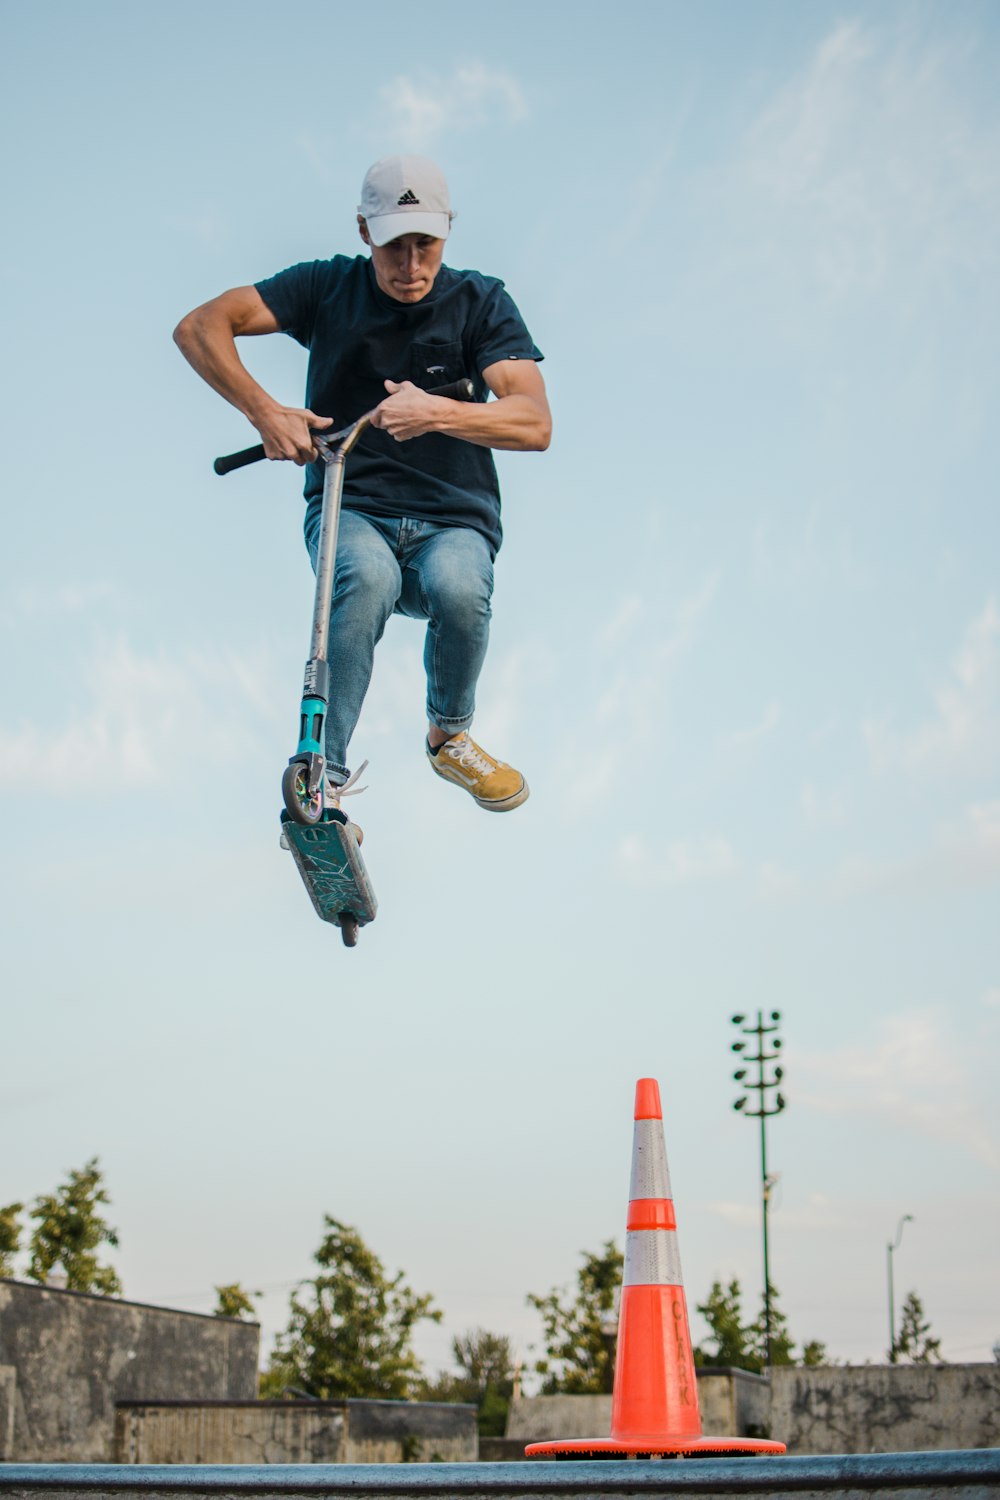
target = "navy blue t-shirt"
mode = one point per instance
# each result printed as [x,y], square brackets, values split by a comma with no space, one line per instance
[357,338]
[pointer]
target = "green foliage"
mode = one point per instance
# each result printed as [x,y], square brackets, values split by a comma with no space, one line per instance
[350,1328]
[486,1379]
[722,1312]
[580,1335]
[743,1346]
[234,1302]
[273,1384]
[69,1229]
[10,1236]
[913,1342]
[782,1345]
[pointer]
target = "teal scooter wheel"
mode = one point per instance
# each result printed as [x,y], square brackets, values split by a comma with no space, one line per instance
[300,806]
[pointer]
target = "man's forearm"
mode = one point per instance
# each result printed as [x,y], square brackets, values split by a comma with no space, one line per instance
[205,338]
[518,422]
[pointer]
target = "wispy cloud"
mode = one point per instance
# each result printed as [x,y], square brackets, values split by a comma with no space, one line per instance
[774,883]
[871,170]
[619,626]
[818,1213]
[751,734]
[972,843]
[681,862]
[146,714]
[964,731]
[965,851]
[690,611]
[821,809]
[638,657]
[207,228]
[422,108]
[913,1073]
[62,597]
[633,636]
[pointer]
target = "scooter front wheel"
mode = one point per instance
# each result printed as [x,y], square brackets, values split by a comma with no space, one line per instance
[349,928]
[300,806]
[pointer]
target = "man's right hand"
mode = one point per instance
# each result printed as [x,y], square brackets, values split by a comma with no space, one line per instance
[285,431]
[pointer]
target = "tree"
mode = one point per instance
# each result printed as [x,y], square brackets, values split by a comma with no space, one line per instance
[744,1346]
[781,1343]
[350,1328]
[722,1312]
[486,1378]
[913,1341]
[234,1302]
[69,1229]
[10,1236]
[580,1336]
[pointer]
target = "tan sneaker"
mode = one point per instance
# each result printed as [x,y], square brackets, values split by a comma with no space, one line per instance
[493,784]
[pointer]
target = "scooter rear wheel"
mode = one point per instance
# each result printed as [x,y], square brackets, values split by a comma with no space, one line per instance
[300,806]
[349,928]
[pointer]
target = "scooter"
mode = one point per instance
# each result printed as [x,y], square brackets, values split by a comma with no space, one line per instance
[324,844]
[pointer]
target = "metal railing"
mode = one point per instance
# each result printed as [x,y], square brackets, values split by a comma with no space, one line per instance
[961,1475]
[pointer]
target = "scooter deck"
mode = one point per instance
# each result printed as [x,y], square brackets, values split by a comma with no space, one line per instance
[332,869]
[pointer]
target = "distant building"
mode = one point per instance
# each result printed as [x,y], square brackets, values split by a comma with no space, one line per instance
[87,1379]
[67,1359]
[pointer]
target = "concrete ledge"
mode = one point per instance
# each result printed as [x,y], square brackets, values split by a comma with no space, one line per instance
[958,1475]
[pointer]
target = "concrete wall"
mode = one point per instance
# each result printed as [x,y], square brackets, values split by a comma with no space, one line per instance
[733,1403]
[535,1418]
[73,1356]
[886,1408]
[823,1409]
[8,1390]
[296,1432]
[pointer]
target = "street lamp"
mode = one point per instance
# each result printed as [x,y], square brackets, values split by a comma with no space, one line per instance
[892,1246]
[761,1083]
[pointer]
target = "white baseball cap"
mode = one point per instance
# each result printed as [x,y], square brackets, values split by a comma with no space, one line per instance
[405,195]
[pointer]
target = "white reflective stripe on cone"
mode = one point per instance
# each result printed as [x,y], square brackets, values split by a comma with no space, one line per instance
[650,1176]
[652,1258]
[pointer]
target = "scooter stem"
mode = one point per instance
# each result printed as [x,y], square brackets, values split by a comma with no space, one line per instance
[333,486]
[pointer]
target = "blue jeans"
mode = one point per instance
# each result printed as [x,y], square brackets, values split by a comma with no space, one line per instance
[441,574]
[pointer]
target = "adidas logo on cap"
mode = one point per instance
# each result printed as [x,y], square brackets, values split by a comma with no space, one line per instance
[404,195]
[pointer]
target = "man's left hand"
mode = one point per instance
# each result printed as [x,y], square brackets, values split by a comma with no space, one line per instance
[407,412]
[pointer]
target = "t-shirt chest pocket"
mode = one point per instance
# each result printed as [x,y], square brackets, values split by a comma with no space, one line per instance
[436,364]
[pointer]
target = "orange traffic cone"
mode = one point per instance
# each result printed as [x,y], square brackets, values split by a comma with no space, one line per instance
[655,1406]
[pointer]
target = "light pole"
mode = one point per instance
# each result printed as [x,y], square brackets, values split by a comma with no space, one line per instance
[762,1083]
[892,1246]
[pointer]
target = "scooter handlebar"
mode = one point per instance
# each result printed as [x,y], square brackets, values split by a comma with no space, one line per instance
[458,390]
[231,461]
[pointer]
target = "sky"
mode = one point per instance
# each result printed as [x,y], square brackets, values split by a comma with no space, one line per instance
[746,649]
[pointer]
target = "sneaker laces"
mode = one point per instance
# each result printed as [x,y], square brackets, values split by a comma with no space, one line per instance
[346,788]
[471,755]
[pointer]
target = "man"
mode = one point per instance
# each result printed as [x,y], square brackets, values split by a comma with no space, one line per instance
[420,524]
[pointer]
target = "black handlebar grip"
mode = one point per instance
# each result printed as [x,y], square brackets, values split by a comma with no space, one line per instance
[458,390]
[239,460]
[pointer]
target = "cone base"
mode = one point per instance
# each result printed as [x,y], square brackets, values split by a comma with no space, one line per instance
[655,1445]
